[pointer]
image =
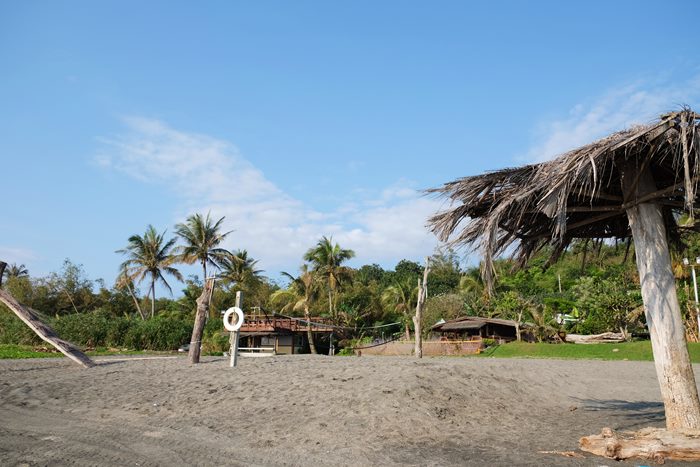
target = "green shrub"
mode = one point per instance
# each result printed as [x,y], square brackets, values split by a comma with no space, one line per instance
[488,342]
[84,329]
[158,334]
[215,341]
[14,331]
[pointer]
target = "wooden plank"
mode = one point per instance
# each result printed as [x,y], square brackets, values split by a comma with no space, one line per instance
[44,331]
[235,336]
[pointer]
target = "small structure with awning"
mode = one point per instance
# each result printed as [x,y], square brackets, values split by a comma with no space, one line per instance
[470,327]
[283,335]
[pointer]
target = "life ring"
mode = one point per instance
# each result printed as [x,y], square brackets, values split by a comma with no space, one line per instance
[227,319]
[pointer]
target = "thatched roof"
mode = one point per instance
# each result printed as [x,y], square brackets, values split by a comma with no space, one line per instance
[577,195]
[470,322]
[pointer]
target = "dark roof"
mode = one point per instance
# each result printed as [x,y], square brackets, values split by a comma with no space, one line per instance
[471,322]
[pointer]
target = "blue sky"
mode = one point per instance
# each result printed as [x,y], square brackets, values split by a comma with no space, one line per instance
[302,119]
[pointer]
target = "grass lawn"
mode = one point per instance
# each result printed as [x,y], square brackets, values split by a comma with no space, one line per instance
[624,351]
[24,351]
[27,351]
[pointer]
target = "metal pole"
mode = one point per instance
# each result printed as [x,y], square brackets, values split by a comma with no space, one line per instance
[235,335]
[695,289]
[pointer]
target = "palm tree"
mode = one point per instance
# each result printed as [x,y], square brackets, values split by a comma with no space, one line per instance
[238,267]
[327,259]
[150,255]
[543,325]
[15,270]
[299,296]
[202,237]
[402,297]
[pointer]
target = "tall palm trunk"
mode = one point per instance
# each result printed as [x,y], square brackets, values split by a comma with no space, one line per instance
[153,298]
[309,333]
[330,303]
[209,307]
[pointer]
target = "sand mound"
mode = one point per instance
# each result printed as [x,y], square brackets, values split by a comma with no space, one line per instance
[315,410]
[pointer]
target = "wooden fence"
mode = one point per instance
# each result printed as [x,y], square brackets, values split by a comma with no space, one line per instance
[430,348]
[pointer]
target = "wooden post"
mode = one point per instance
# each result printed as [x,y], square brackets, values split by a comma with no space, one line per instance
[233,337]
[663,315]
[199,320]
[422,295]
[44,331]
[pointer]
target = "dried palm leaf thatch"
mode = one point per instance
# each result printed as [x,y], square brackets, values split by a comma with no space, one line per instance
[577,195]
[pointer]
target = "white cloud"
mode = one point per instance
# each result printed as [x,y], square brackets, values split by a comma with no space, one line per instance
[209,174]
[620,108]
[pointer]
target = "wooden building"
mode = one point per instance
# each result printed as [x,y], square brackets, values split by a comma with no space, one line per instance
[280,335]
[470,327]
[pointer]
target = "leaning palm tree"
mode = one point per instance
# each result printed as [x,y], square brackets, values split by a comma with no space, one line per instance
[299,296]
[327,260]
[150,256]
[123,281]
[202,237]
[402,298]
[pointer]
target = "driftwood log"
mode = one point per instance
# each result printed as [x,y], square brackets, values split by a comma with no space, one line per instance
[611,337]
[656,444]
[44,331]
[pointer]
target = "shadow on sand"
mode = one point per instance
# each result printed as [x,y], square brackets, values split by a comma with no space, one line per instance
[629,415]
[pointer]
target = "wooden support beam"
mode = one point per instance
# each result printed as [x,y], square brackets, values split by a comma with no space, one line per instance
[591,220]
[662,310]
[594,209]
[44,331]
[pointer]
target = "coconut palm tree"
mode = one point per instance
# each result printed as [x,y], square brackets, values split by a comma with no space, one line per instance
[150,256]
[302,292]
[327,260]
[238,267]
[15,270]
[202,236]
[12,270]
[402,298]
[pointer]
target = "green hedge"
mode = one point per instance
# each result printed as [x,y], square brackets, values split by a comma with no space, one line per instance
[101,329]
[14,331]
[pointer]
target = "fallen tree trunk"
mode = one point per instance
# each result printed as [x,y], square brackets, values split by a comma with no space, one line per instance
[655,444]
[44,331]
[612,337]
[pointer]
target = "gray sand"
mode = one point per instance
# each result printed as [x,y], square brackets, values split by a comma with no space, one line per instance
[315,410]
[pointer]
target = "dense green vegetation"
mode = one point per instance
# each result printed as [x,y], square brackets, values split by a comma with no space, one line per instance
[592,288]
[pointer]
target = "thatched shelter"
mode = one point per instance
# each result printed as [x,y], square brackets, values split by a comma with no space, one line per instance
[634,183]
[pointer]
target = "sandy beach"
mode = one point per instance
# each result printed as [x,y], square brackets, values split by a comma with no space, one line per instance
[316,410]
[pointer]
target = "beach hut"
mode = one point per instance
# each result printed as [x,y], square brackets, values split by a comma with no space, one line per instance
[473,327]
[634,183]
